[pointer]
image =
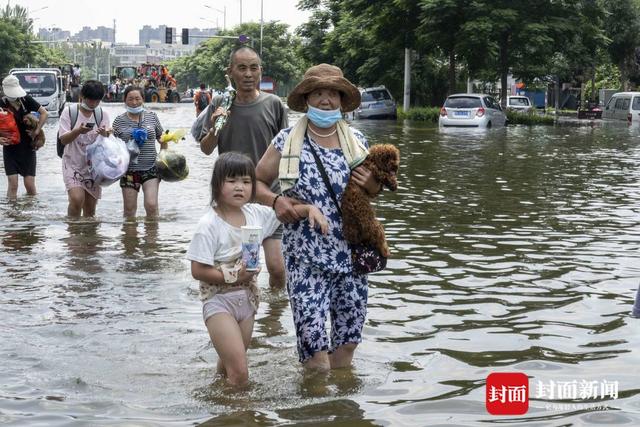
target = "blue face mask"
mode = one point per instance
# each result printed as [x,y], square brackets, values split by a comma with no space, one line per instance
[323,118]
[135,110]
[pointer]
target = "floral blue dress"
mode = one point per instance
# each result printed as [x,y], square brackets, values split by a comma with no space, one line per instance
[320,278]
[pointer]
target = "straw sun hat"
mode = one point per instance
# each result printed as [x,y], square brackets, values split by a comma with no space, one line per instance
[11,87]
[327,77]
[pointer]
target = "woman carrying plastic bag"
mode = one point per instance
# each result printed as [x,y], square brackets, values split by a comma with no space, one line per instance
[142,174]
[76,136]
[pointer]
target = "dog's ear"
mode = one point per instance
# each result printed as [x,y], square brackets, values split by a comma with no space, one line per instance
[391,157]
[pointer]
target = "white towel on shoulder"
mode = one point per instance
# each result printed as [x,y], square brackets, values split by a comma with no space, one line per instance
[289,170]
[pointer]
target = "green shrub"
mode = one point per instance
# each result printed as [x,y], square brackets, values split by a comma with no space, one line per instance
[529,119]
[423,114]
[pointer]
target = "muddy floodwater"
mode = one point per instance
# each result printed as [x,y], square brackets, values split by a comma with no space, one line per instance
[514,250]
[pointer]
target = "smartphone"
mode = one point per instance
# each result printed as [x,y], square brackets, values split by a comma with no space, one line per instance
[89,125]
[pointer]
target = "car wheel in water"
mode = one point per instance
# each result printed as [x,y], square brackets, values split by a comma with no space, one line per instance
[489,125]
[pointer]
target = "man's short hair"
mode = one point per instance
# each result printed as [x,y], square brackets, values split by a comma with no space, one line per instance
[238,49]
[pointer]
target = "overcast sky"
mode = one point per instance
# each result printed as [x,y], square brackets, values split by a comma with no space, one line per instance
[131,15]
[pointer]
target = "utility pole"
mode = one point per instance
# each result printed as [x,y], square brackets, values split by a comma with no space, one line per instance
[407,79]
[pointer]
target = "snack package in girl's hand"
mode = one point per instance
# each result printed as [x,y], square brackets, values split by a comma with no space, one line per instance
[108,160]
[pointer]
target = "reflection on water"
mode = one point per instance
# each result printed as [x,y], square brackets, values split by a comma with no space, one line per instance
[514,249]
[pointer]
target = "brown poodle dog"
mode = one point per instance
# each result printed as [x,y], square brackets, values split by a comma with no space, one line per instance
[31,122]
[359,223]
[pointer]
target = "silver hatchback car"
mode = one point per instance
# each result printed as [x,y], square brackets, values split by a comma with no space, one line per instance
[377,103]
[471,110]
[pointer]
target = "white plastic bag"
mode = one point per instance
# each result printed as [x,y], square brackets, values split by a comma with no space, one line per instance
[108,160]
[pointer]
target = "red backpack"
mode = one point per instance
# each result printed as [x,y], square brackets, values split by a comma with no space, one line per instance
[9,127]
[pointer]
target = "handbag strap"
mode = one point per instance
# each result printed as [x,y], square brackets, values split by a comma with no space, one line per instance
[325,178]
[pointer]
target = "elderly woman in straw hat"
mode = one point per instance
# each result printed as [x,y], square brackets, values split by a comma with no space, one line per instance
[320,277]
[20,159]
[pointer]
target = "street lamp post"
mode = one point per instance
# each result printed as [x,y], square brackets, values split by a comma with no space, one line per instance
[39,9]
[224,14]
[209,20]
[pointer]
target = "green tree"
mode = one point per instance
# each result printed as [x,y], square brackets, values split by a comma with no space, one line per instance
[622,26]
[208,64]
[15,38]
[366,38]
[443,28]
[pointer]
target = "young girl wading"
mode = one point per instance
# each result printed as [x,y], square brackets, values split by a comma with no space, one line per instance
[228,291]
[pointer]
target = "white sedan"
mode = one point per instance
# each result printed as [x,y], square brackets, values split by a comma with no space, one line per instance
[471,110]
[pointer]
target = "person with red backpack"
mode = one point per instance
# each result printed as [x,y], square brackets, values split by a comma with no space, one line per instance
[201,99]
[20,158]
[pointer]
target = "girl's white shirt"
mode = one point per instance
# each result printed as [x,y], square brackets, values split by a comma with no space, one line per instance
[215,240]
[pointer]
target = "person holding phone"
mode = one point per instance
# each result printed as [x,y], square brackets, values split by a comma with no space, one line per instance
[82,192]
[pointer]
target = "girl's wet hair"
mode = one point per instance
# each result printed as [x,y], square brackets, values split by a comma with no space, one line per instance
[229,165]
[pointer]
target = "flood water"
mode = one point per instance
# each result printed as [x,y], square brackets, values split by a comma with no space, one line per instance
[514,250]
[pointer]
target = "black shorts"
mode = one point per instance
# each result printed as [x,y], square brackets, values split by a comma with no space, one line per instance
[19,160]
[135,179]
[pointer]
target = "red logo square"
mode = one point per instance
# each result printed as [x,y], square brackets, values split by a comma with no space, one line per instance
[507,393]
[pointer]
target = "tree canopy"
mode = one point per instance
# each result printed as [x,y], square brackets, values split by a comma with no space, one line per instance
[281,59]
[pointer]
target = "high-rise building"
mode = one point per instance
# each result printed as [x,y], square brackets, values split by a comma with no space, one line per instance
[101,33]
[53,34]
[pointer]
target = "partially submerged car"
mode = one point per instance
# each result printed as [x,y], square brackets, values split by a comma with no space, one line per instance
[471,110]
[519,103]
[377,103]
[623,106]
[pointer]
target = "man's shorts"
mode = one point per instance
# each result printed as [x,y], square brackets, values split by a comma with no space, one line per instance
[135,179]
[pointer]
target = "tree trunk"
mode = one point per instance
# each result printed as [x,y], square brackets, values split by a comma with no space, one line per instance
[624,80]
[593,84]
[557,95]
[452,71]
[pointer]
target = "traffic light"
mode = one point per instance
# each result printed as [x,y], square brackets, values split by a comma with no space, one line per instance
[185,36]
[168,35]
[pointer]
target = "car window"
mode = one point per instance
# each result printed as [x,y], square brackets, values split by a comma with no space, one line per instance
[618,104]
[519,101]
[625,104]
[636,103]
[609,103]
[463,102]
[493,103]
[375,95]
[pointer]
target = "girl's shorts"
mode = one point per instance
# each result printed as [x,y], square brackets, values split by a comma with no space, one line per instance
[235,303]
[314,296]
